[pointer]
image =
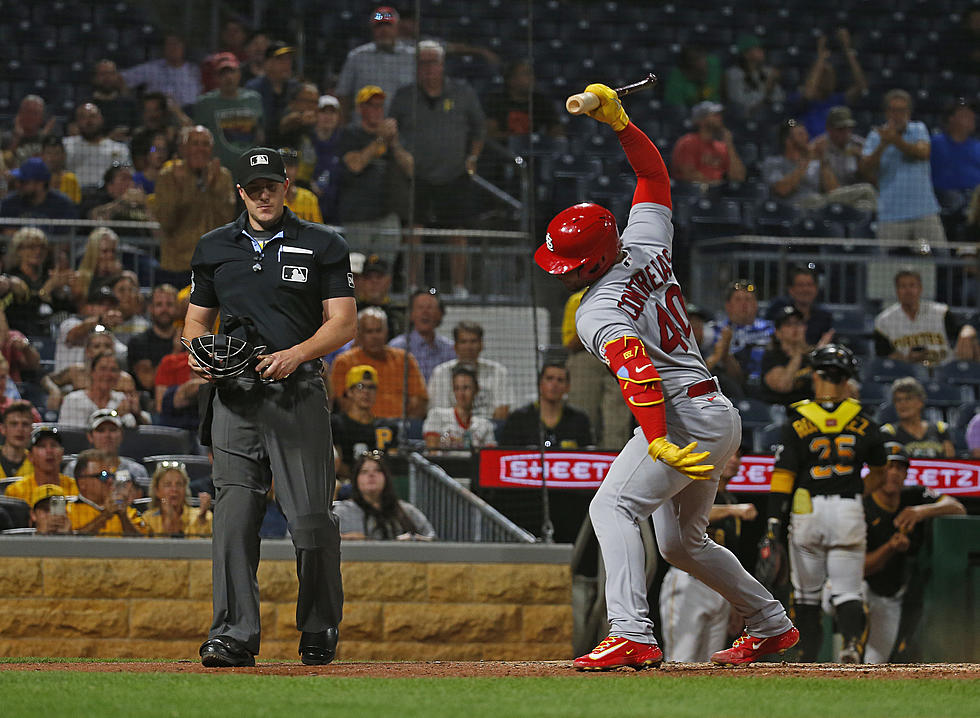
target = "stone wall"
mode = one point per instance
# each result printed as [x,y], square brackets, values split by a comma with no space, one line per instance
[395,610]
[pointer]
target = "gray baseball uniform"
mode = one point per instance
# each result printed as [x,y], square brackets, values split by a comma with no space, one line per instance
[640,297]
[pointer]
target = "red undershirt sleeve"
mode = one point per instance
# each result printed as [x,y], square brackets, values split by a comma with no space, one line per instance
[652,180]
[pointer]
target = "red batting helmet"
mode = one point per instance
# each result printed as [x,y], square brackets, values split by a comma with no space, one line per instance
[583,235]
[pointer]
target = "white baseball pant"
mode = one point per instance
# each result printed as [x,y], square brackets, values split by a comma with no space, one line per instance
[828,543]
[884,615]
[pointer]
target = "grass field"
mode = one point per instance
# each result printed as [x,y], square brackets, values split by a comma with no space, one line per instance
[40,694]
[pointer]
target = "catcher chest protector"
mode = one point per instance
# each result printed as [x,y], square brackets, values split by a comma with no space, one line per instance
[583,235]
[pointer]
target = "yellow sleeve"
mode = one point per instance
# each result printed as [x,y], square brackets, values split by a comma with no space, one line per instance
[70,187]
[782,481]
[568,319]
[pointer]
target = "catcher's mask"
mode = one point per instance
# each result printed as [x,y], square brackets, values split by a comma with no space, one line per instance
[223,355]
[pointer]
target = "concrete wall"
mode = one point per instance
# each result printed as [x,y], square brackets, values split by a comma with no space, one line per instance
[152,599]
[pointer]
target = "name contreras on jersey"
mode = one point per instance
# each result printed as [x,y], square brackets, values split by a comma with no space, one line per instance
[644,282]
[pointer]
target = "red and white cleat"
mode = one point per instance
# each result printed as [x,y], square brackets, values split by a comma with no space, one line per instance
[616,652]
[748,649]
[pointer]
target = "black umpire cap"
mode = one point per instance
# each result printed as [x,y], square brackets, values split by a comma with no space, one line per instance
[260,163]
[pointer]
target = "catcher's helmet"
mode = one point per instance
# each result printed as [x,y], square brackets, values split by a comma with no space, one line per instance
[835,362]
[583,235]
[223,355]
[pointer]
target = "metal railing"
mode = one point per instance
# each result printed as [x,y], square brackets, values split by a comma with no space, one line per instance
[456,513]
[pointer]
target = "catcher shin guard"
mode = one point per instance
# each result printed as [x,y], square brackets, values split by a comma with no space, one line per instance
[807,620]
[640,384]
[852,622]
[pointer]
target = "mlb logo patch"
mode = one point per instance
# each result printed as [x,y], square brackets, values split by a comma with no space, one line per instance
[258,160]
[294,274]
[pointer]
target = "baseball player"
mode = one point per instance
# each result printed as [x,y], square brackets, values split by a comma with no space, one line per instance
[694,618]
[824,444]
[290,282]
[894,514]
[633,318]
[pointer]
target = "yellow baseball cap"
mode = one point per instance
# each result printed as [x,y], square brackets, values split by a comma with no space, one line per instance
[367,92]
[45,491]
[359,373]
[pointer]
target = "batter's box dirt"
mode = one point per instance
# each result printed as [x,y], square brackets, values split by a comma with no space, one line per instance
[493,669]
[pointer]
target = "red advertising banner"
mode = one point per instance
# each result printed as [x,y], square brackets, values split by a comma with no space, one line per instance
[510,469]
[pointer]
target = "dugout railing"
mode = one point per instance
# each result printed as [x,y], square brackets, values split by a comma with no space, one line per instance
[456,513]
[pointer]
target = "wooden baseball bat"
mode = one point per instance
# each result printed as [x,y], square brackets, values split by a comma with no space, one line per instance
[586,101]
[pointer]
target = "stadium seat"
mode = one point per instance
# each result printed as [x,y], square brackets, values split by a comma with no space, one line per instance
[874,393]
[73,438]
[150,440]
[883,369]
[18,511]
[765,440]
[198,467]
[773,217]
[710,218]
[963,373]
[755,414]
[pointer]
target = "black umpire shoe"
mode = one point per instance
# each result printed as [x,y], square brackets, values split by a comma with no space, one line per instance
[318,649]
[225,652]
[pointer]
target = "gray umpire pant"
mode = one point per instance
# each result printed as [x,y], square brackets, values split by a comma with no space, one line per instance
[262,432]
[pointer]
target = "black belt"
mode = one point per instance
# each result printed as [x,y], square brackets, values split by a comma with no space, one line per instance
[706,386]
[842,494]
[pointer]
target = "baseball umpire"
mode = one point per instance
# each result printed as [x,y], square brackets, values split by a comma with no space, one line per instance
[817,472]
[633,318]
[284,284]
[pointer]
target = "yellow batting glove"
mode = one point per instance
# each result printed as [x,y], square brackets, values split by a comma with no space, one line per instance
[610,109]
[681,459]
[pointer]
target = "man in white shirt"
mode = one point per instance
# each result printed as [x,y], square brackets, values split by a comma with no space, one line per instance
[90,153]
[171,74]
[494,398]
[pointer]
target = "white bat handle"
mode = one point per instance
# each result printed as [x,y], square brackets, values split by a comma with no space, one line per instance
[581,103]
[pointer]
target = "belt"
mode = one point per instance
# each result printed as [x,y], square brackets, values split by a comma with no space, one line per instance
[842,494]
[707,386]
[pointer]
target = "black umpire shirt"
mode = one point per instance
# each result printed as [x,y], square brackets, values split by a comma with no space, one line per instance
[282,287]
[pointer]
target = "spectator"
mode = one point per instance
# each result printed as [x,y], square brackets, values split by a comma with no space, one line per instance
[386,61]
[795,175]
[374,510]
[955,153]
[232,113]
[127,291]
[102,507]
[9,392]
[276,86]
[752,86]
[29,130]
[819,92]
[326,146]
[894,514]
[458,427]
[253,64]
[118,199]
[442,125]
[973,437]
[425,313]
[45,456]
[961,44]
[172,74]
[839,150]
[151,151]
[15,457]
[78,375]
[786,370]
[495,396]
[100,393]
[301,201]
[357,429]
[921,439]
[707,155]
[22,356]
[45,520]
[161,115]
[109,94]
[919,330]
[90,153]
[560,426]
[593,389]
[232,40]
[100,313]
[194,195]
[802,288]
[372,287]
[147,349]
[34,196]
[171,514]
[296,128]
[372,333]
[36,293]
[695,78]
[375,172]
[53,155]
[176,390]
[100,264]
[509,109]
[735,345]
[105,433]
[896,155]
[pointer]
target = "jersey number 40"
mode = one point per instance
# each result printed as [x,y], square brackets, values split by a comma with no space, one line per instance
[674,325]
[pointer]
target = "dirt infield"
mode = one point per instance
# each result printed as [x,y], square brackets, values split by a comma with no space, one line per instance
[496,669]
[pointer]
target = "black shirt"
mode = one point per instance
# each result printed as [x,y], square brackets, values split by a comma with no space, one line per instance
[820,322]
[572,431]
[802,383]
[825,445]
[892,576]
[299,269]
[148,345]
[353,438]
